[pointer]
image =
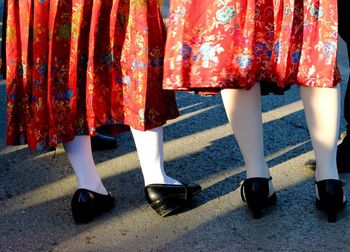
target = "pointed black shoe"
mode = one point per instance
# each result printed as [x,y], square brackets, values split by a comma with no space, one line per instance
[330,197]
[86,205]
[255,192]
[103,142]
[165,199]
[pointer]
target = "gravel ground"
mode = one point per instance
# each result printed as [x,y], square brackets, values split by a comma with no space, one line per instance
[35,189]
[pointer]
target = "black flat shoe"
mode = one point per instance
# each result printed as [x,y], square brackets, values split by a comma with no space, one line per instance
[255,192]
[330,197]
[103,142]
[86,205]
[165,199]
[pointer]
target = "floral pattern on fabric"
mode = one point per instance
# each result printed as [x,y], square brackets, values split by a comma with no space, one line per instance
[75,65]
[217,44]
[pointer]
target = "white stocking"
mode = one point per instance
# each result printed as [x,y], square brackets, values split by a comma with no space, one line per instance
[149,145]
[322,108]
[243,109]
[80,156]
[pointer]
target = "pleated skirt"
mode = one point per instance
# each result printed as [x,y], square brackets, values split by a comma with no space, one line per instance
[218,44]
[75,65]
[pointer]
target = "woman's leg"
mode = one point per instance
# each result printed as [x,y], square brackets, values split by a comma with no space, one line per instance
[243,109]
[163,193]
[80,156]
[149,146]
[322,108]
[322,113]
[91,198]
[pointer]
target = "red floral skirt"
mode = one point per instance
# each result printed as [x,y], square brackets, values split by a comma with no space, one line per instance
[217,44]
[75,65]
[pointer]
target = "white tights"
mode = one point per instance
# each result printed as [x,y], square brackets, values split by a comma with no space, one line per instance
[149,146]
[322,109]
[80,156]
[243,109]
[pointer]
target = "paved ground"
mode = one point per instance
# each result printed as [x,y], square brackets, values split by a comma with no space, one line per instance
[35,189]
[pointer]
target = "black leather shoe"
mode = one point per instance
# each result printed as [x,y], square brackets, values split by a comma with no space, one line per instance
[343,154]
[86,205]
[330,197]
[165,199]
[255,192]
[103,142]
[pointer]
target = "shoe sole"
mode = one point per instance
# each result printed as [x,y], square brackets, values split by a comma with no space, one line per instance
[164,208]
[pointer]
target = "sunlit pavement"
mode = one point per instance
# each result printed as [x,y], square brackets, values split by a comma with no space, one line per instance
[36,188]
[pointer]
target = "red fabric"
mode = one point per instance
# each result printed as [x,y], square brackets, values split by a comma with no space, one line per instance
[75,65]
[216,44]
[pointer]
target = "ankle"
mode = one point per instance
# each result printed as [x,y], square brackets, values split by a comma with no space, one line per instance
[326,170]
[95,186]
[257,171]
[166,180]
[171,181]
[322,177]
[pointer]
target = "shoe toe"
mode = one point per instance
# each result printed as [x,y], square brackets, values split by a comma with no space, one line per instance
[165,199]
[86,205]
[193,190]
